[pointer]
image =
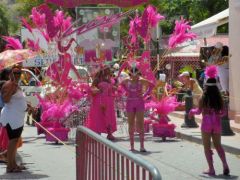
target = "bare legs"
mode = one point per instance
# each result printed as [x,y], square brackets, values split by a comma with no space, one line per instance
[110,136]
[131,128]
[217,144]
[3,156]
[140,125]
[206,137]
[11,154]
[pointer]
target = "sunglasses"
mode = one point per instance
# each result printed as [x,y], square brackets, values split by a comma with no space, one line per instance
[17,72]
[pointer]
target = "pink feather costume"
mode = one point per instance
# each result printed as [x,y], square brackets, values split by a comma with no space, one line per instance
[211,120]
[163,108]
[101,117]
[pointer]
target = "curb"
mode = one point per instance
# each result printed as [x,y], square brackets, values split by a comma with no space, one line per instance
[198,120]
[197,140]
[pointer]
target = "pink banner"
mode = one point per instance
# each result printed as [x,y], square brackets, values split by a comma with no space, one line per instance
[74,3]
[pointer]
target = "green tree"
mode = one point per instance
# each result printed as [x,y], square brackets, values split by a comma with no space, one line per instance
[25,8]
[4,25]
[193,10]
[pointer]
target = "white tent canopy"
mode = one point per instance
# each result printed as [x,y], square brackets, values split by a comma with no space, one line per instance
[208,27]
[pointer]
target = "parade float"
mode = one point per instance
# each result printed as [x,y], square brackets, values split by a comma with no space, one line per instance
[64,100]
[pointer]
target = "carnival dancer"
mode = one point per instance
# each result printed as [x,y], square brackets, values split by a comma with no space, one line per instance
[135,104]
[101,117]
[211,107]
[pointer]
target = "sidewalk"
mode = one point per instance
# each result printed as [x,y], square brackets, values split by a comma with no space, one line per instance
[180,114]
[44,160]
[174,158]
[231,144]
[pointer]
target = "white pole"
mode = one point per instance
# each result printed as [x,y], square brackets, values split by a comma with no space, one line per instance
[158,55]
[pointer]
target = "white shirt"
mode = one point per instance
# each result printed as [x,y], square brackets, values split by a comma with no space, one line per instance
[162,77]
[13,112]
[223,71]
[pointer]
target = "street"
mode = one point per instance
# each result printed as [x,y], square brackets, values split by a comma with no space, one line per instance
[176,159]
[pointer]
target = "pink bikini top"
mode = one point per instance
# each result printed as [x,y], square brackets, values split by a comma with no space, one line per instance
[133,90]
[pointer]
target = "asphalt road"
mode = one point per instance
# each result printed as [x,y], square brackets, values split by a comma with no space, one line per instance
[176,159]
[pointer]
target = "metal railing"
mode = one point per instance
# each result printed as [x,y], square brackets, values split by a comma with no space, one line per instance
[100,159]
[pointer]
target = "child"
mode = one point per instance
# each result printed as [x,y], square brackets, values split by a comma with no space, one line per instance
[162,108]
[211,107]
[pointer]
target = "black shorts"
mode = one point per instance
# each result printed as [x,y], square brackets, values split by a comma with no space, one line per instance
[14,133]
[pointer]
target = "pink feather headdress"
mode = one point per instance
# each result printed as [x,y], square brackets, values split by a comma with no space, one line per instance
[181,33]
[12,43]
[211,71]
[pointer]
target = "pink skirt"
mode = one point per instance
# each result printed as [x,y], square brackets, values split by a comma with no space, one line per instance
[3,139]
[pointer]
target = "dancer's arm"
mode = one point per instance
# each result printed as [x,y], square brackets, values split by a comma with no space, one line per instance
[196,111]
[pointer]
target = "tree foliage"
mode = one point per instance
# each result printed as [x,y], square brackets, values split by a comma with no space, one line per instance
[25,7]
[4,25]
[193,10]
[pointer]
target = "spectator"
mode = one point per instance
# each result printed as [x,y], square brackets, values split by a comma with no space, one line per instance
[191,84]
[4,76]
[12,116]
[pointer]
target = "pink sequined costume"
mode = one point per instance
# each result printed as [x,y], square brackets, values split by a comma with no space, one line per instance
[211,121]
[163,128]
[162,108]
[135,102]
[101,117]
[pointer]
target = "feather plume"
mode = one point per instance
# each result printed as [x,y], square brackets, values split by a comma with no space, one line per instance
[211,71]
[12,43]
[33,45]
[38,19]
[165,106]
[153,16]
[26,25]
[180,33]
[58,18]
[135,24]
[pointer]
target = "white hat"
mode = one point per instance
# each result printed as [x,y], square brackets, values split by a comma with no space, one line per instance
[116,66]
[185,73]
[218,45]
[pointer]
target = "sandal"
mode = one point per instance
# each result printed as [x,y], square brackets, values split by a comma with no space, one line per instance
[14,170]
[111,137]
[143,150]
[21,167]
